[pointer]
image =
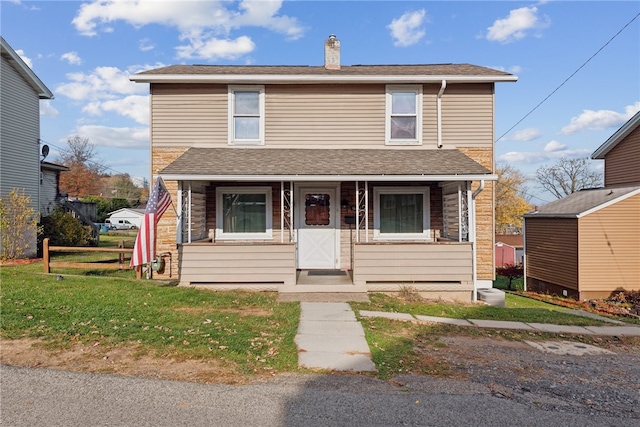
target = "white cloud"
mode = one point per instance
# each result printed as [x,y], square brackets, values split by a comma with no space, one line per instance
[552,151]
[408,29]
[206,25]
[46,109]
[516,26]
[599,120]
[214,49]
[71,58]
[24,57]
[125,137]
[101,83]
[135,107]
[528,134]
[554,146]
[145,45]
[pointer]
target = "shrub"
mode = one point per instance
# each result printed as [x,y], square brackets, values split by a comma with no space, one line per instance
[64,230]
[18,225]
[510,272]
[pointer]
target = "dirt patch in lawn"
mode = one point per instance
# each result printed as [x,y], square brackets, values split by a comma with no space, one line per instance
[128,360]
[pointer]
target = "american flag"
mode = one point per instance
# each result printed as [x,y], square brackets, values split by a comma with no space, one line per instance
[144,250]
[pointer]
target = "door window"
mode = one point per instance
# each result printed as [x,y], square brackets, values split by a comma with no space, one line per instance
[317,209]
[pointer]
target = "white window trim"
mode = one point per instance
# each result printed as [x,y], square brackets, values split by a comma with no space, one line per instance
[426,220]
[390,89]
[231,99]
[221,235]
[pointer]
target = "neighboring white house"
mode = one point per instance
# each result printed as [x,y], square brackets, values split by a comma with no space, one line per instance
[20,94]
[134,216]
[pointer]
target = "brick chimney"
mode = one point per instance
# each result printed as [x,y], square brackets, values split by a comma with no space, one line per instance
[332,53]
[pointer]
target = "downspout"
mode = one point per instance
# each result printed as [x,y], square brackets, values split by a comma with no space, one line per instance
[439,110]
[475,240]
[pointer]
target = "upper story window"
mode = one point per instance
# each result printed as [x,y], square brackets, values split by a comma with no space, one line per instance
[246,115]
[404,114]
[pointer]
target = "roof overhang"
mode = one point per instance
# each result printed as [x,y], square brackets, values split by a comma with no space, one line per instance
[618,136]
[325,178]
[23,69]
[314,78]
[322,165]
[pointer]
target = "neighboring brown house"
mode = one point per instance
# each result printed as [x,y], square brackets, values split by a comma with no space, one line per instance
[381,173]
[587,245]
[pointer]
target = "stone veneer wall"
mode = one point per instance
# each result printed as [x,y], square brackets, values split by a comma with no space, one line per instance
[485,214]
[166,232]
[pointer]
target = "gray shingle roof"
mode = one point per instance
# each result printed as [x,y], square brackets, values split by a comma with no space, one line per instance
[351,70]
[265,162]
[582,201]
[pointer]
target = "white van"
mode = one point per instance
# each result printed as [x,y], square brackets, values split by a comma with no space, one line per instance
[119,224]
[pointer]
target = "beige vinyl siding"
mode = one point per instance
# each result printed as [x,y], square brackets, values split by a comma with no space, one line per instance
[319,116]
[610,247]
[551,250]
[19,146]
[412,262]
[238,263]
[325,116]
[622,163]
[467,115]
[193,115]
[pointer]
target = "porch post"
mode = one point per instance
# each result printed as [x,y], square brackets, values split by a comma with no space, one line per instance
[281,211]
[366,211]
[292,231]
[180,219]
[358,211]
[189,213]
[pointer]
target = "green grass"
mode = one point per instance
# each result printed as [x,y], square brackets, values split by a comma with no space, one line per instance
[517,308]
[250,331]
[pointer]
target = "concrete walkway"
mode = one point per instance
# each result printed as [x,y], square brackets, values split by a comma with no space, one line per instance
[618,330]
[330,337]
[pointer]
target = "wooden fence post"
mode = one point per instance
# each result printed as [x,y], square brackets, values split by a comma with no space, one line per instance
[45,255]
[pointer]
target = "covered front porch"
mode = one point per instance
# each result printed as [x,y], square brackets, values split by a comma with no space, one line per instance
[330,232]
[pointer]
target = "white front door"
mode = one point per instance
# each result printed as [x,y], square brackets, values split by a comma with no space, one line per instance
[316,222]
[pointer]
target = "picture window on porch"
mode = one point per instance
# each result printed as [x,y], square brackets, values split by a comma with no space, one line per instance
[244,213]
[246,115]
[404,115]
[401,213]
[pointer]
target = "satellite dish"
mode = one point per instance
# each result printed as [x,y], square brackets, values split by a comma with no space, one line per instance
[45,151]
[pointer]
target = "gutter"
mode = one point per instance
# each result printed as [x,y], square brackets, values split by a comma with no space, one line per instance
[475,240]
[312,78]
[439,110]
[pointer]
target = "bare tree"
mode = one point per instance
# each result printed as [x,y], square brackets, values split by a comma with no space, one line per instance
[83,178]
[568,176]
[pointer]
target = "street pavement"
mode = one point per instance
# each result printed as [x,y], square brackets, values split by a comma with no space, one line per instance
[47,397]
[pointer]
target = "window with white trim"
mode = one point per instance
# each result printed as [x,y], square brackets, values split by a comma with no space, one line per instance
[401,213]
[243,213]
[404,114]
[246,115]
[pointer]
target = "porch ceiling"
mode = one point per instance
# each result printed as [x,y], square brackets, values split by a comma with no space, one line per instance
[259,163]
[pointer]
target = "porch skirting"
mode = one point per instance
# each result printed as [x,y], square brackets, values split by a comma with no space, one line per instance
[433,267]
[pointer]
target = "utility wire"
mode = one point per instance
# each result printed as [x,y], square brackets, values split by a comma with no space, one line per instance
[568,78]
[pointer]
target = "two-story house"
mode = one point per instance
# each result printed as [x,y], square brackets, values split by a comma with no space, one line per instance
[327,178]
[587,245]
[20,153]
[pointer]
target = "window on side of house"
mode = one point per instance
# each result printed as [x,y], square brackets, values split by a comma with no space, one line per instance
[246,115]
[404,114]
[401,213]
[243,213]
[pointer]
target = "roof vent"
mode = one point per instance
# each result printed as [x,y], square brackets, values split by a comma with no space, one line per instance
[332,53]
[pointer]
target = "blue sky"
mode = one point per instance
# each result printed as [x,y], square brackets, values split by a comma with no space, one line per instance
[85,51]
